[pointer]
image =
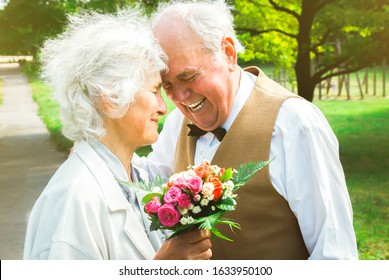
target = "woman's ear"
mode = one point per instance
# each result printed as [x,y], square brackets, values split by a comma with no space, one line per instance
[230,52]
[104,105]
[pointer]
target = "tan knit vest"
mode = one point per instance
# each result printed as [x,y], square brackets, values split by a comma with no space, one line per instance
[269,229]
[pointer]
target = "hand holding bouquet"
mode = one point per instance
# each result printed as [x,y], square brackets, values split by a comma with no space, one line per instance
[198,198]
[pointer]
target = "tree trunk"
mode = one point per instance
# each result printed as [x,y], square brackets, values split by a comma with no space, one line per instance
[305,82]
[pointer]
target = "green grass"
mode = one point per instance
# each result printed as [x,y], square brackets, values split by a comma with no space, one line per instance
[48,108]
[362,128]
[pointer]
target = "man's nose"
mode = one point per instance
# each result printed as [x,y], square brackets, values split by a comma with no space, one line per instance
[179,93]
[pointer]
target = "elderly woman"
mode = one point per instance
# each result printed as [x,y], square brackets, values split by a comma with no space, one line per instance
[105,70]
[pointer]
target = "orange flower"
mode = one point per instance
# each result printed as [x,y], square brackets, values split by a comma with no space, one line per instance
[203,170]
[217,192]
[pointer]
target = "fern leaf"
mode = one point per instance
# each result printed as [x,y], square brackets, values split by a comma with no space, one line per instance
[246,171]
[149,186]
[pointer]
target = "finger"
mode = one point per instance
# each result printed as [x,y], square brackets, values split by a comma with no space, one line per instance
[201,246]
[206,255]
[197,235]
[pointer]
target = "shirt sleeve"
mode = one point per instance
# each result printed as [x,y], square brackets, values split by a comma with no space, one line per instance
[307,172]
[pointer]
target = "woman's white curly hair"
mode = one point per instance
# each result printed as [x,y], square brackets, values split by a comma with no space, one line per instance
[99,56]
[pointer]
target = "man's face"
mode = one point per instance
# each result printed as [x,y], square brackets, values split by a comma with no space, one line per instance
[203,91]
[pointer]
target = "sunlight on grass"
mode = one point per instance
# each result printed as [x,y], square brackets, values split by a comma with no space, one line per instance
[362,128]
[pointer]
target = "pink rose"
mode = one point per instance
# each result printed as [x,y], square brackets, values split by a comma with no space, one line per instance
[153,205]
[184,201]
[172,195]
[168,215]
[195,184]
[180,182]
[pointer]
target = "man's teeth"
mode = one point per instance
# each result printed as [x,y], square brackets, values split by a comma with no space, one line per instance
[197,106]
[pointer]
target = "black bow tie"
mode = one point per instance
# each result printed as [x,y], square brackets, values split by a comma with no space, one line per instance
[196,131]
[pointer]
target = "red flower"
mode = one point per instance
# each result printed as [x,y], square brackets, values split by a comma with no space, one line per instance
[217,192]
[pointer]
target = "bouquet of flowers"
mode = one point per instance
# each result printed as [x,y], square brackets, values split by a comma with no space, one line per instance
[198,198]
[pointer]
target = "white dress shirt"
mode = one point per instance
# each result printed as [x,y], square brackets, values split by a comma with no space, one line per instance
[306,171]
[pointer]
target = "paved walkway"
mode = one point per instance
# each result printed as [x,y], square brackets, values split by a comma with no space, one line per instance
[28,159]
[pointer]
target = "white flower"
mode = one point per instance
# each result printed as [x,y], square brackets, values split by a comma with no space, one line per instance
[230,185]
[196,209]
[213,208]
[208,189]
[188,174]
[215,169]
[183,211]
[190,220]
[228,193]
[204,202]
[184,221]
[174,177]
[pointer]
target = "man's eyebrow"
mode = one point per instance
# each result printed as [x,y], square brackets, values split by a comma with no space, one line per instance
[183,75]
[187,73]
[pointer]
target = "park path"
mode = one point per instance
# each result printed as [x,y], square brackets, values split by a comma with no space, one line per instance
[28,159]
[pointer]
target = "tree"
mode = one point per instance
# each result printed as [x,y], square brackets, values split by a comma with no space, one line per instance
[306,35]
[26,24]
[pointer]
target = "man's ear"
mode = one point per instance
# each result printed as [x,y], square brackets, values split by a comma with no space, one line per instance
[230,52]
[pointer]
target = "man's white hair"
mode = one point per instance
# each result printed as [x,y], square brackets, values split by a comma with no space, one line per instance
[210,20]
[99,57]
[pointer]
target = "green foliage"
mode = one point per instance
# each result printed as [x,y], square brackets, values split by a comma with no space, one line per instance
[48,107]
[318,38]
[246,171]
[257,24]
[24,25]
[146,186]
[362,129]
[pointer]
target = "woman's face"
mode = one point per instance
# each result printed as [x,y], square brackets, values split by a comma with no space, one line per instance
[139,126]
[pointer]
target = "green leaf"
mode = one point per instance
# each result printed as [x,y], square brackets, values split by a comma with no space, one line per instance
[181,229]
[142,185]
[206,224]
[220,235]
[228,201]
[155,223]
[246,171]
[226,207]
[232,224]
[227,175]
[146,199]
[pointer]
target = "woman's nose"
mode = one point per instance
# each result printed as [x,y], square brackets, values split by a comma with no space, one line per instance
[162,109]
